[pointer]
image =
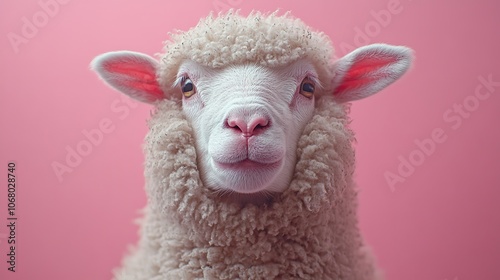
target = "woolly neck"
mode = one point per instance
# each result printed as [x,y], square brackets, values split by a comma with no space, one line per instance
[308,231]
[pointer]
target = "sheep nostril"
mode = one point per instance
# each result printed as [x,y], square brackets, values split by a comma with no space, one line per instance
[257,124]
[237,124]
[247,128]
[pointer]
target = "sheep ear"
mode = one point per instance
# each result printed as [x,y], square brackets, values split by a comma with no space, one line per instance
[131,73]
[369,69]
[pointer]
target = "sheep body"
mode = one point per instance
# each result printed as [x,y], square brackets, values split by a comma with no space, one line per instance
[309,232]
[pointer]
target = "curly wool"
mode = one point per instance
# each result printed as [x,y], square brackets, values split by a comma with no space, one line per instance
[308,232]
[267,40]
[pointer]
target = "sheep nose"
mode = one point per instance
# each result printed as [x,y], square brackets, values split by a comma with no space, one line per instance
[248,126]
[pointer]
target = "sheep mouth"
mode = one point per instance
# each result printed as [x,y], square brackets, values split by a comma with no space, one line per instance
[247,164]
[245,176]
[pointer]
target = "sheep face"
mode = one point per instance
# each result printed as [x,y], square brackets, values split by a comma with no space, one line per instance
[247,120]
[248,87]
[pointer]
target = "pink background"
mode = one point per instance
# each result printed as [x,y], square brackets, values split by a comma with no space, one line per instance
[441,222]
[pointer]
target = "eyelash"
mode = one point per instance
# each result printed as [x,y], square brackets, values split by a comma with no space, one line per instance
[179,80]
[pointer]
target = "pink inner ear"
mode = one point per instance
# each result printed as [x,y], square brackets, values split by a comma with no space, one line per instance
[139,76]
[363,72]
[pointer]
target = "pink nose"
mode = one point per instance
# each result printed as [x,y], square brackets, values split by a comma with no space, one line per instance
[250,127]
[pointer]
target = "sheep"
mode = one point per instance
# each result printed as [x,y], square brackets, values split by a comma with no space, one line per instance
[249,160]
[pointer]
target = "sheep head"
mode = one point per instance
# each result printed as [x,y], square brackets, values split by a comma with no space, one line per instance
[249,86]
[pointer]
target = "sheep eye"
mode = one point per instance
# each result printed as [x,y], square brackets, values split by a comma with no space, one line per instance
[307,88]
[187,87]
